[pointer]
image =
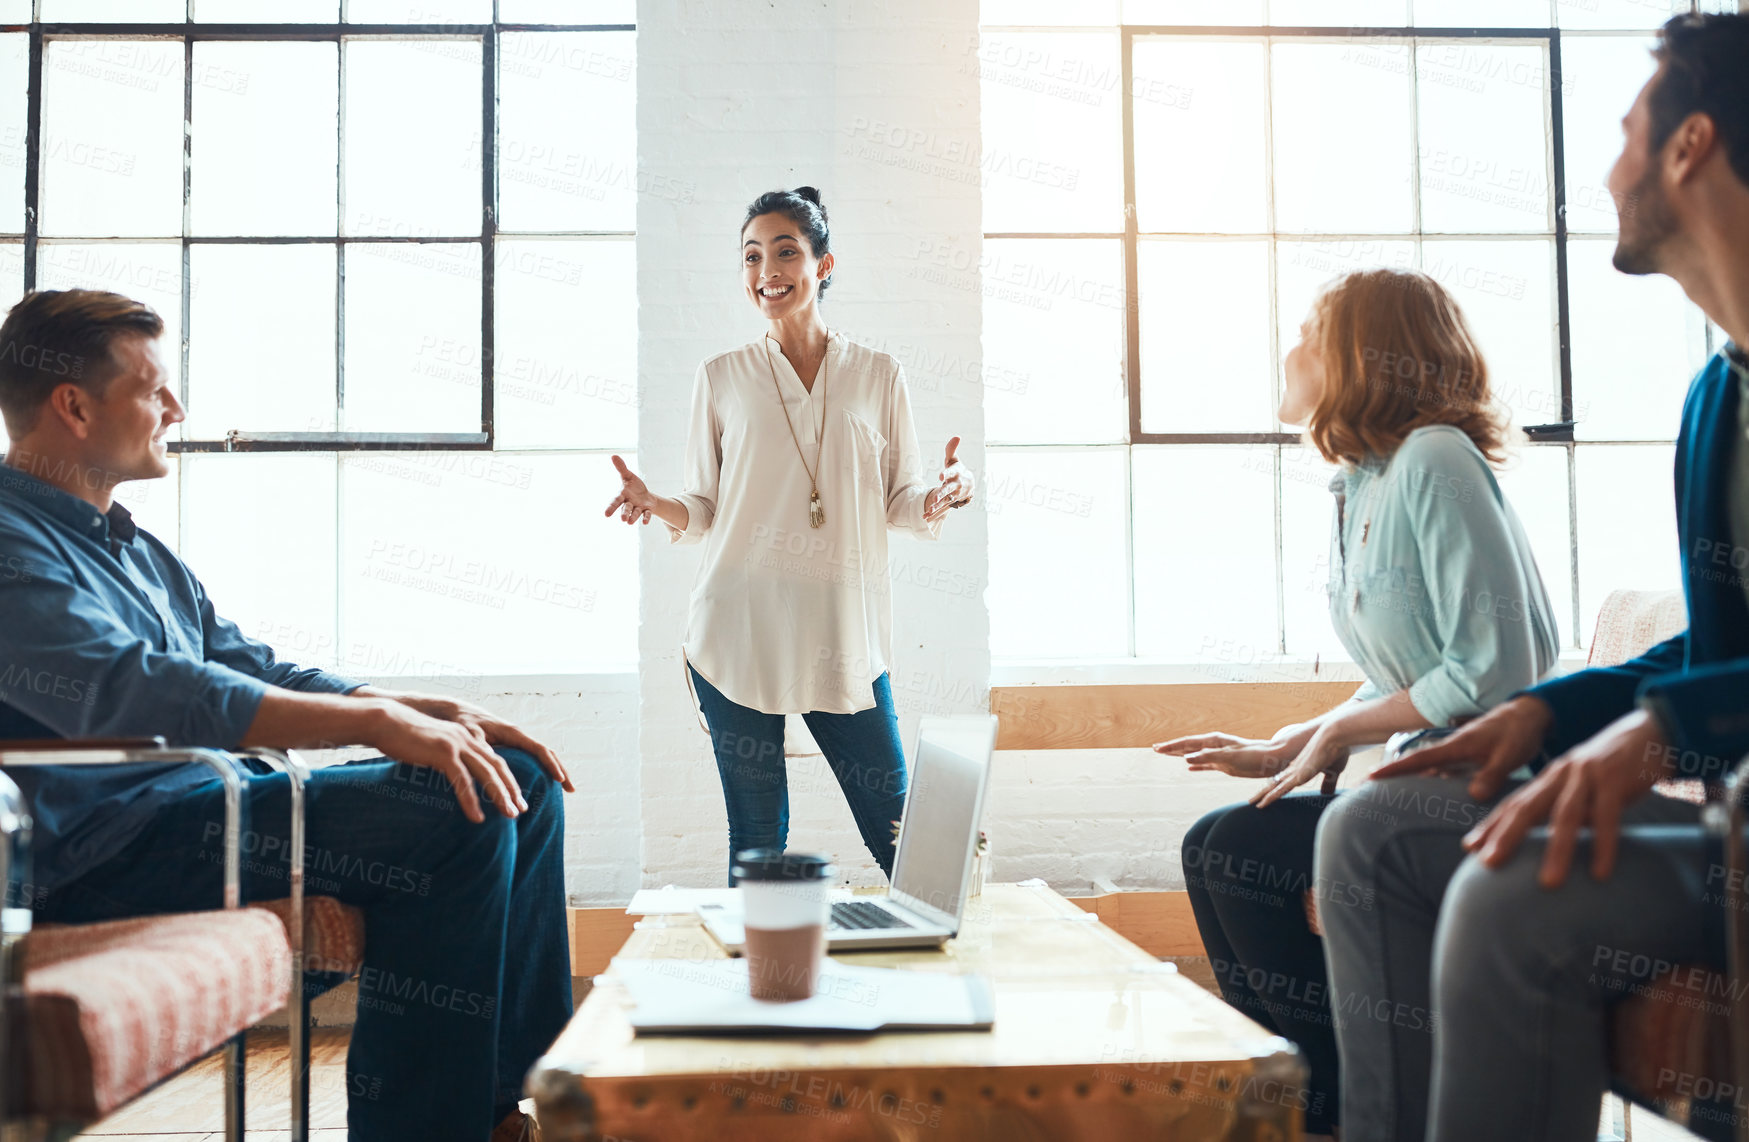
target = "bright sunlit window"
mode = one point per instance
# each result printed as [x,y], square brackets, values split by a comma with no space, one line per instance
[394,274]
[1138,479]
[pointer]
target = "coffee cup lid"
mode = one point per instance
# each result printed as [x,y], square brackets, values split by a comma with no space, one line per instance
[775,864]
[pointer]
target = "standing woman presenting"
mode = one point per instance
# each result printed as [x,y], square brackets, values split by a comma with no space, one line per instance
[801,454]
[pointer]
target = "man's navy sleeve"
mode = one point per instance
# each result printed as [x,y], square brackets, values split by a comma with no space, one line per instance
[1585,702]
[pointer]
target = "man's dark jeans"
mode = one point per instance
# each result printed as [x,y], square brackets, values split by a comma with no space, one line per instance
[466,976]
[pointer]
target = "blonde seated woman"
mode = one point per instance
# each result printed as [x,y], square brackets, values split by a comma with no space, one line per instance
[1433,591]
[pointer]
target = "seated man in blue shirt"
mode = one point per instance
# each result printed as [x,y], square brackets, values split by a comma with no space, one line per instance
[104,632]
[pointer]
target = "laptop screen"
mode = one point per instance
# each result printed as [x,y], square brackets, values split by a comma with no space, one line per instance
[942,809]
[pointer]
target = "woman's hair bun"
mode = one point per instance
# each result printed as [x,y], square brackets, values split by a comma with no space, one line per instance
[812,194]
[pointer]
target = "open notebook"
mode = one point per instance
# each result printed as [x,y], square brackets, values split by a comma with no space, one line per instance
[711,997]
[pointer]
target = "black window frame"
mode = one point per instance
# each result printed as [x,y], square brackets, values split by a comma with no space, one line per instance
[191,32]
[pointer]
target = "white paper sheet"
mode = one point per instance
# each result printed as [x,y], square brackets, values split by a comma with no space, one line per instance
[670,900]
[711,996]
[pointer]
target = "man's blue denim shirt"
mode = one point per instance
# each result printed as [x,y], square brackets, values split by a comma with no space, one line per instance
[104,632]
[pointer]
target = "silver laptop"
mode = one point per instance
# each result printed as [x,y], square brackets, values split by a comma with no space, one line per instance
[950,773]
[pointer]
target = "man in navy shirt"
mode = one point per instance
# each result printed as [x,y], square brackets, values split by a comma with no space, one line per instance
[1472,992]
[104,632]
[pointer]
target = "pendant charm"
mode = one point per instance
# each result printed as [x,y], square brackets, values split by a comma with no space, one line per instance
[816,512]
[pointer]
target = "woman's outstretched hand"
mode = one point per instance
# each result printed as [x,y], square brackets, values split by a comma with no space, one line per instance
[635,502]
[1324,756]
[956,486]
[1228,753]
[1295,755]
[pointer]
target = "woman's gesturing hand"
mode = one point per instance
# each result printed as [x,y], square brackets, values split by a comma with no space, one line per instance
[1237,756]
[635,502]
[1324,755]
[956,486]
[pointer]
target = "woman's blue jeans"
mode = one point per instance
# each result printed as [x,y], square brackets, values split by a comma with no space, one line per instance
[862,749]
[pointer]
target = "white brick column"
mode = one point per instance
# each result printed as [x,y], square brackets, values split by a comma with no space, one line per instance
[877,104]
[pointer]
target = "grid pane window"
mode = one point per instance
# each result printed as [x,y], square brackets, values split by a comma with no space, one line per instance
[14,67]
[1058,517]
[1053,357]
[1535,483]
[426,12]
[1197,603]
[11,273]
[112,138]
[286,595]
[1307,520]
[566,153]
[1342,119]
[413,353]
[412,135]
[1268,159]
[276,12]
[254,365]
[1053,143]
[565,371]
[1618,15]
[1205,336]
[1506,289]
[264,149]
[1482,13]
[1627,523]
[1483,137]
[1226,12]
[1202,107]
[357,321]
[114,11]
[568,11]
[1637,342]
[1342,13]
[1603,74]
[426,575]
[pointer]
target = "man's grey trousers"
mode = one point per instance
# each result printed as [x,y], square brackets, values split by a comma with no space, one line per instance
[1469,1003]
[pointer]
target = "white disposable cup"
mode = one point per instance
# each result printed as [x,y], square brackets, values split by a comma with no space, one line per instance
[784,910]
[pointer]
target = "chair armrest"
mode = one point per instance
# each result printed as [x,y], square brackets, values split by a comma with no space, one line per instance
[21,755]
[297,771]
[41,745]
[14,923]
[1726,821]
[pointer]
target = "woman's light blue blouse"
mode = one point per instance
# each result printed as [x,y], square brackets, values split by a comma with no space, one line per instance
[1433,587]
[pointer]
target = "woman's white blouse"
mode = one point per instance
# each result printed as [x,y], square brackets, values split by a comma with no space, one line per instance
[788,618]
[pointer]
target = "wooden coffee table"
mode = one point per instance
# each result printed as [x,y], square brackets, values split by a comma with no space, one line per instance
[1094,1040]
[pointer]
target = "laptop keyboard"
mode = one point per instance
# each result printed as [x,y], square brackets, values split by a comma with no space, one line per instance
[860,915]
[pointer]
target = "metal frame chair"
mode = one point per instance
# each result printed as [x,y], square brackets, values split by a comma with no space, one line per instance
[1727,821]
[15,923]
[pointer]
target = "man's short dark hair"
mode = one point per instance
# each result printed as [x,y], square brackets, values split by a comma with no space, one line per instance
[56,337]
[1706,70]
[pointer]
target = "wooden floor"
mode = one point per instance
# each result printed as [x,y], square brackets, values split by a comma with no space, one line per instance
[191,1107]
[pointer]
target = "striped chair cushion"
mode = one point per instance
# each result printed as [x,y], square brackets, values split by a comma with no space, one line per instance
[333,933]
[111,1009]
[1632,622]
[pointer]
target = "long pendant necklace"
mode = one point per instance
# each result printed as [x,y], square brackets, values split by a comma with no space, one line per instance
[816,510]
